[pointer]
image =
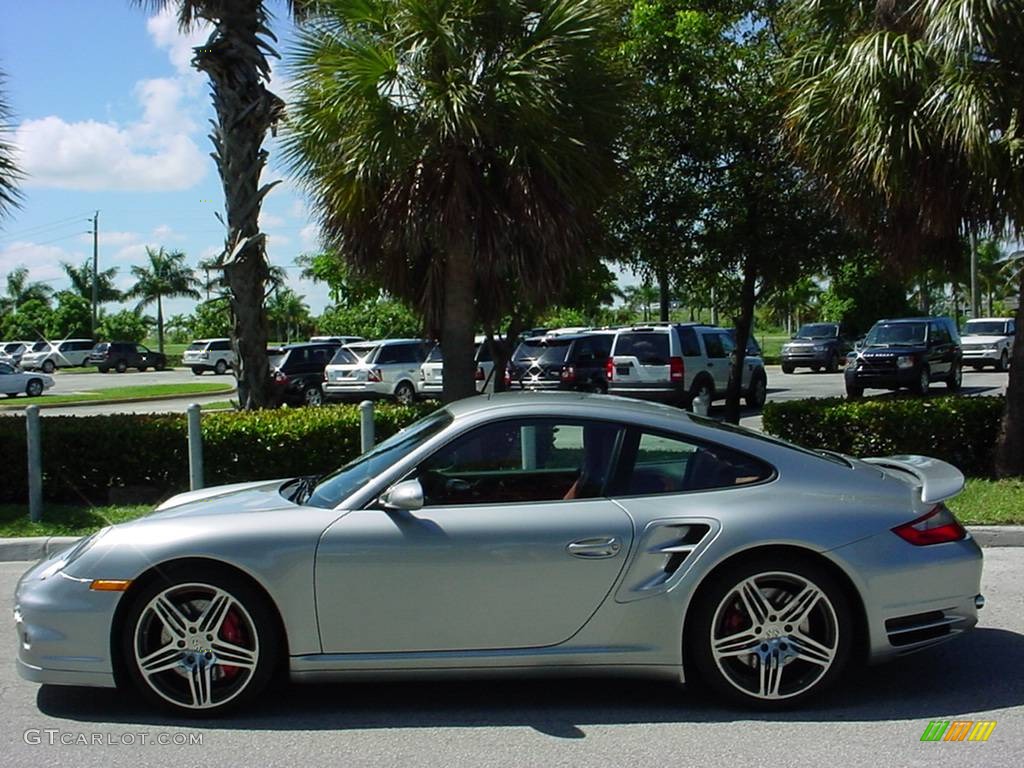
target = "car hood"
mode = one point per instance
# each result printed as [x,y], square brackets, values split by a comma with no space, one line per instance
[259,496]
[886,350]
[983,339]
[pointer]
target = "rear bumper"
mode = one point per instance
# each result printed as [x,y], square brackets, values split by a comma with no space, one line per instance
[658,393]
[362,390]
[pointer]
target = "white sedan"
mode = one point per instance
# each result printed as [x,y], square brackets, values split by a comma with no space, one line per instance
[14,381]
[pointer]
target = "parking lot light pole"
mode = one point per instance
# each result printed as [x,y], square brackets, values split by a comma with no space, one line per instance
[35,463]
[195,449]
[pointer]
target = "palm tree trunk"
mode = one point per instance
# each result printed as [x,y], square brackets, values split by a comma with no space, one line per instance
[457,325]
[663,295]
[160,322]
[1010,444]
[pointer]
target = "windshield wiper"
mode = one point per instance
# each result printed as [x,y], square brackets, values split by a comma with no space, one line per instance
[304,487]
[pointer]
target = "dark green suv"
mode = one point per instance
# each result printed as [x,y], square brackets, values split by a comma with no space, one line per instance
[122,355]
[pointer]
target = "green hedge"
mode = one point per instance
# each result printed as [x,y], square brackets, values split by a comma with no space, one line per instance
[960,430]
[143,458]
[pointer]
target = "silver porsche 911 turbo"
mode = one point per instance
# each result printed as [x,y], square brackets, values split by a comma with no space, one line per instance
[527,533]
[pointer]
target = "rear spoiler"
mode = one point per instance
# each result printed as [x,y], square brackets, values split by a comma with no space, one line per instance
[939,480]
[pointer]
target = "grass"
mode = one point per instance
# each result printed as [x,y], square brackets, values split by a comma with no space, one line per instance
[218,405]
[984,502]
[121,393]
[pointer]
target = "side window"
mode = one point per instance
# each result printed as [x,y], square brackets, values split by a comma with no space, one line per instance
[728,345]
[390,353]
[321,356]
[5,368]
[521,461]
[1011,328]
[584,354]
[666,465]
[939,334]
[688,339]
[141,349]
[220,346]
[713,344]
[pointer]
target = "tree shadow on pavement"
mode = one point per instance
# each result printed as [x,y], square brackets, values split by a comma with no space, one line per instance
[978,672]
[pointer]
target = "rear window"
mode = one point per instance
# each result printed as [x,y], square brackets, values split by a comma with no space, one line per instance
[196,346]
[277,360]
[39,346]
[648,347]
[435,355]
[353,354]
[542,350]
[11,347]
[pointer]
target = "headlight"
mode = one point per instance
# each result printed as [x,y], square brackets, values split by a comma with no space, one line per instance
[905,361]
[62,560]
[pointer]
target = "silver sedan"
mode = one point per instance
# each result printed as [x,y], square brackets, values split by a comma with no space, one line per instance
[530,534]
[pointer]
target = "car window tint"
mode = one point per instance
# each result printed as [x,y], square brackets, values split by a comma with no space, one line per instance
[688,339]
[5,368]
[520,461]
[141,349]
[390,353]
[663,465]
[648,347]
[728,345]
[940,334]
[220,346]
[483,353]
[713,344]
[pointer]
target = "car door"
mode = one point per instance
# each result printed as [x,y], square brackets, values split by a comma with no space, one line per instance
[515,547]
[940,350]
[718,359]
[11,382]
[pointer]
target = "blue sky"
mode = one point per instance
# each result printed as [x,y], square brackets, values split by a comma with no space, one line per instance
[109,116]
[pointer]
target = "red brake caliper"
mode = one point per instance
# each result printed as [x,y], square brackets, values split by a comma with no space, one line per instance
[231,631]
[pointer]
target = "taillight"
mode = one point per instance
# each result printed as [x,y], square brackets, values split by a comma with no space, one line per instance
[675,369]
[325,375]
[280,377]
[423,376]
[375,375]
[508,378]
[938,526]
[479,375]
[568,373]
[609,369]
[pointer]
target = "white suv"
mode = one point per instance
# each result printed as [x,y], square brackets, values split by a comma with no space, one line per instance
[678,362]
[209,355]
[988,341]
[374,369]
[62,354]
[431,382]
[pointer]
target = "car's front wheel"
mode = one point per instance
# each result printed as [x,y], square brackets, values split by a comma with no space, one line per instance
[1004,360]
[199,641]
[48,366]
[770,632]
[955,379]
[34,388]
[924,381]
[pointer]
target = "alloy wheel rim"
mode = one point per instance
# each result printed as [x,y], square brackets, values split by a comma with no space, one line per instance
[313,396]
[403,395]
[925,379]
[196,646]
[774,635]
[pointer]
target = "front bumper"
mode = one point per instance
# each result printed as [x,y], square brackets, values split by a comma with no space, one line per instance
[799,358]
[883,379]
[63,628]
[982,355]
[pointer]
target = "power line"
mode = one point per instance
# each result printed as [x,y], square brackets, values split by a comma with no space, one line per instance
[39,228]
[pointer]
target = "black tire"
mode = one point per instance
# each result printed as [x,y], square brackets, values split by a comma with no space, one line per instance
[197,371]
[853,392]
[923,382]
[719,610]
[758,393]
[142,369]
[220,368]
[977,366]
[816,367]
[1003,363]
[254,628]
[405,393]
[160,366]
[48,366]
[103,369]
[788,367]
[34,387]
[955,379]
[833,363]
[121,366]
[313,396]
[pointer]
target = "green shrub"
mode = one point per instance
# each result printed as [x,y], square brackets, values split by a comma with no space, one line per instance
[960,430]
[127,458]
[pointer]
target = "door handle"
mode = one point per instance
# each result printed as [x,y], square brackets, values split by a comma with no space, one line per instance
[605,546]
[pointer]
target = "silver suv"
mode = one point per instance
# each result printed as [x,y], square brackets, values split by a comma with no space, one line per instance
[209,355]
[61,354]
[375,369]
[988,341]
[678,362]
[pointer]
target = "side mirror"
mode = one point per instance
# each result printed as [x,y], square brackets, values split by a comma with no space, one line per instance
[406,495]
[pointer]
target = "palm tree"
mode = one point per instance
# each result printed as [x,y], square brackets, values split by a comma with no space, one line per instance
[20,290]
[639,299]
[456,151]
[167,276]
[235,57]
[81,281]
[288,312]
[10,195]
[909,111]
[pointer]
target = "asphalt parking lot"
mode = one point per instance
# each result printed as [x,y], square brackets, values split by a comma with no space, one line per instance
[876,719]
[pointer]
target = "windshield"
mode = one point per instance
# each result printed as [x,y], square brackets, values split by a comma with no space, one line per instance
[985,328]
[542,350]
[897,334]
[342,483]
[12,347]
[818,331]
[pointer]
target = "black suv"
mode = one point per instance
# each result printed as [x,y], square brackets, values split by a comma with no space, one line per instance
[574,361]
[908,353]
[122,355]
[297,372]
[815,346]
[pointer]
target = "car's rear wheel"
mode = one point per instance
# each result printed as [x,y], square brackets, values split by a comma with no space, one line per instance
[313,395]
[853,392]
[197,371]
[770,632]
[758,393]
[833,363]
[199,641]
[788,368]
[34,388]
[924,381]
[1003,361]
[220,367]
[48,366]
[121,366]
[160,366]
[405,393]
[102,369]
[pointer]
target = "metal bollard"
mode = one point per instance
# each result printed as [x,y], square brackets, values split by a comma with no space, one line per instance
[33,430]
[195,449]
[366,430]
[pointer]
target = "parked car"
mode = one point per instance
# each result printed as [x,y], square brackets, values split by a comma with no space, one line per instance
[375,369]
[908,353]
[989,341]
[431,381]
[297,372]
[816,346]
[544,533]
[209,355]
[13,351]
[568,359]
[14,381]
[343,340]
[677,362]
[122,355]
[69,353]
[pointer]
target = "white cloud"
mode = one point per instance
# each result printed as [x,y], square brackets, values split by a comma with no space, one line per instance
[310,236]
[269,220]
[163,28]
[112,238]
[43,261]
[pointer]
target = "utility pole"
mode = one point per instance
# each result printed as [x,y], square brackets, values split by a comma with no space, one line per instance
[974,276]
[95,268]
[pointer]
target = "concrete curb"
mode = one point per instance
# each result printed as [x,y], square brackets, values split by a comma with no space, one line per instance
[37,547]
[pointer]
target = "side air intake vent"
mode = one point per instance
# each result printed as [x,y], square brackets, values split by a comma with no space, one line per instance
[663,550]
